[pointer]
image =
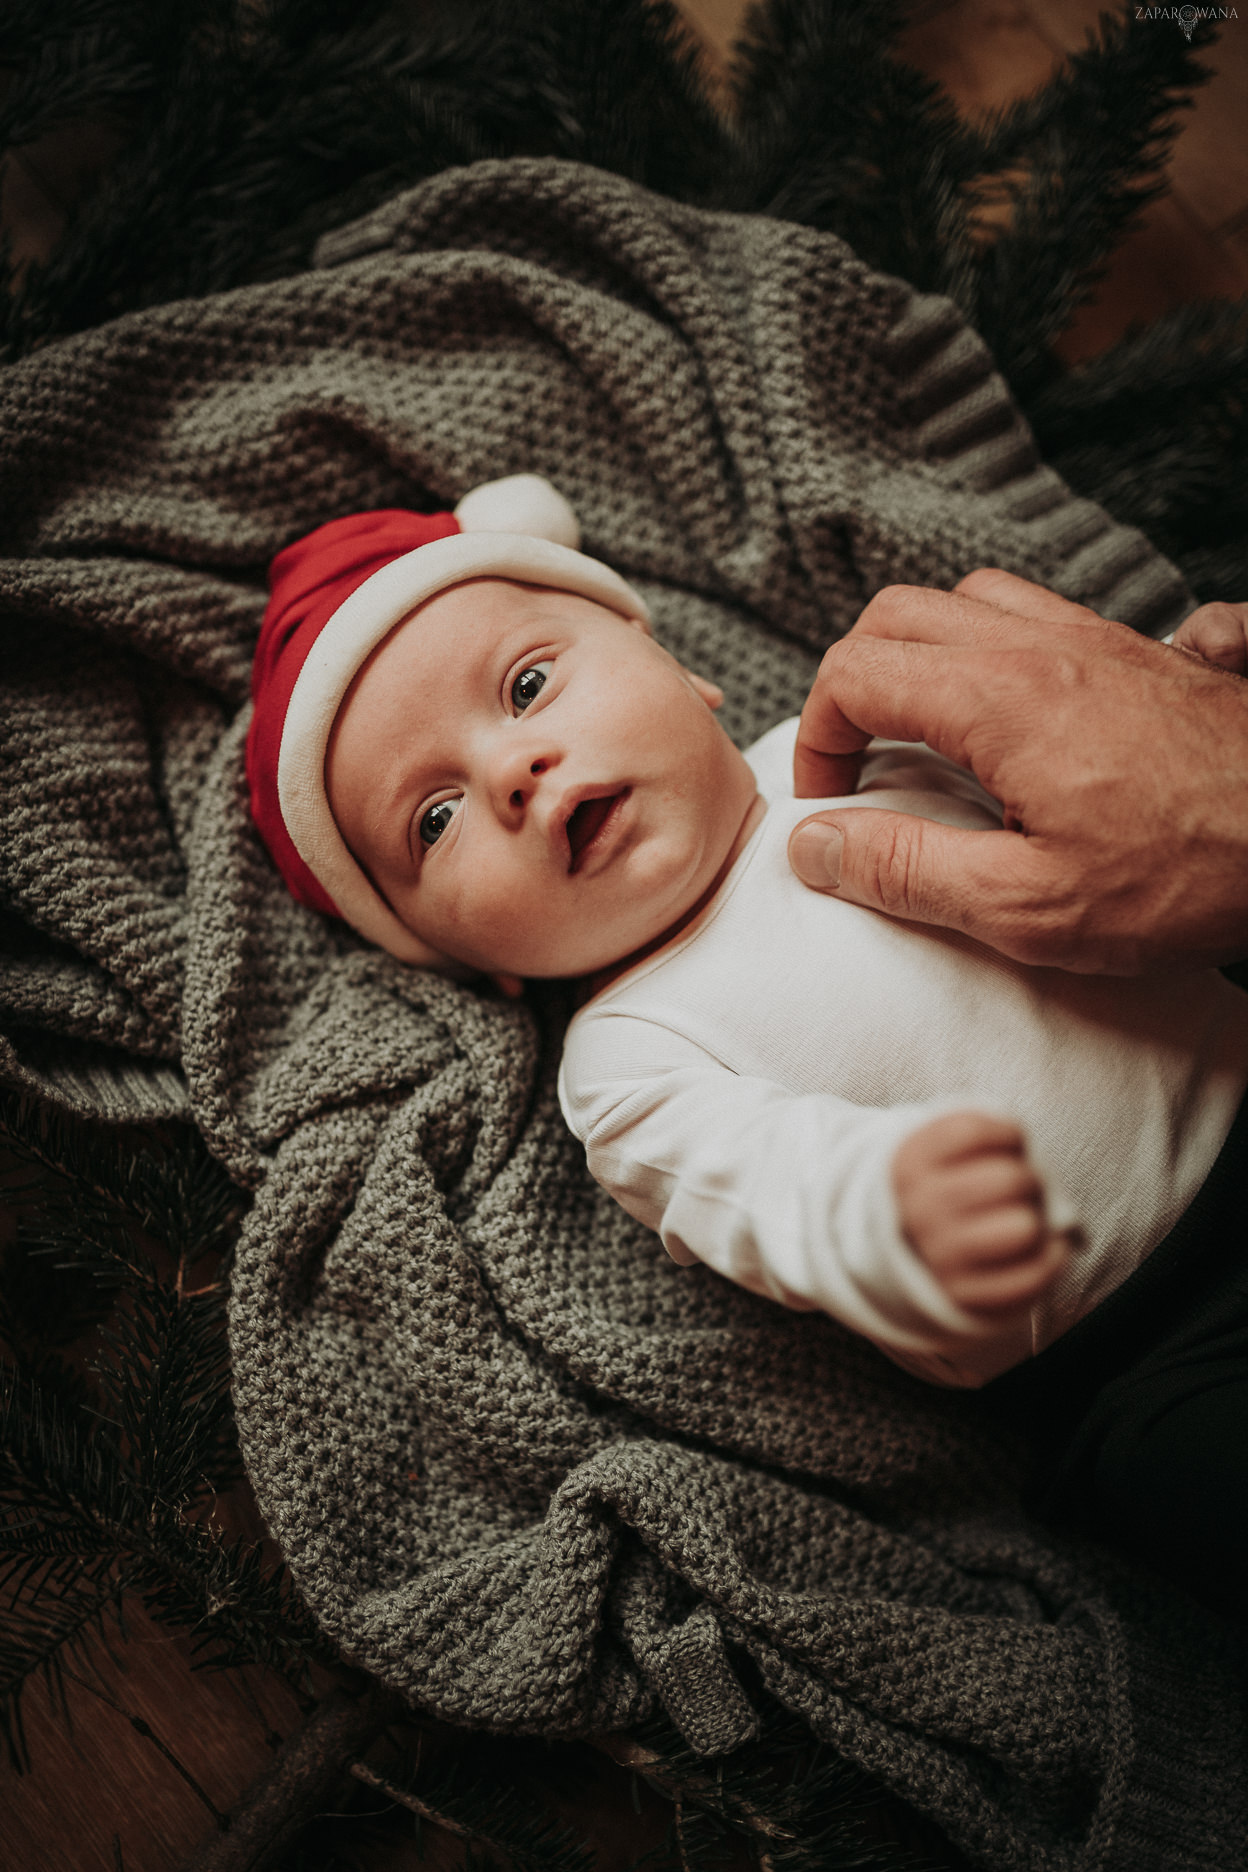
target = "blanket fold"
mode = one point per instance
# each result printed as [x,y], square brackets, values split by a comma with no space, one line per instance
[524,1468]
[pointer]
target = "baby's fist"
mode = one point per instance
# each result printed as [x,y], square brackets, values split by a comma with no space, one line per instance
[972,1207]
[1218,633]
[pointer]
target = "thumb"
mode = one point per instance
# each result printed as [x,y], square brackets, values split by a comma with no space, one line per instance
[990,885]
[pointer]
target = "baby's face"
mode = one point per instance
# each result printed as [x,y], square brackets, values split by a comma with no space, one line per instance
[532,783]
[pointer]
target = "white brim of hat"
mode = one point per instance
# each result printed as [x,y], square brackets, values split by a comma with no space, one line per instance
[362,622]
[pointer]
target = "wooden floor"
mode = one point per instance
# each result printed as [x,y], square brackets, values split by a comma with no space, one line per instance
[108,1796]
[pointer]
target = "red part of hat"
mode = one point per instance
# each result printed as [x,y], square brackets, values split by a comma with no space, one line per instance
[308,581]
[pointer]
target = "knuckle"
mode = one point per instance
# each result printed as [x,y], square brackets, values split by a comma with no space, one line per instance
[893,867]
[982,582]
[890,595]
[1022,1227]
[890,603]
[995,1137]
[1219,615]
[1030,1189]
[958,1127]
[881,602]
[1221,632]
[1016,1186]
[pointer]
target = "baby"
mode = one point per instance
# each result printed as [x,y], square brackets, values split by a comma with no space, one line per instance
[468,745]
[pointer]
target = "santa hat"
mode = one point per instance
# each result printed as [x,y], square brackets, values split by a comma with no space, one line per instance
[335,595]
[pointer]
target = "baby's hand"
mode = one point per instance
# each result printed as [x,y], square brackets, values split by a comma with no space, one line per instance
[1218,633]
[972,1207]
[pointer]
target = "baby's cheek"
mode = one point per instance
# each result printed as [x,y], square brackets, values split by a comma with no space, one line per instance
[496,926]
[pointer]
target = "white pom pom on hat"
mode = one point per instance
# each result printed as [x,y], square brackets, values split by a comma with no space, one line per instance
[324,621]
[523,503]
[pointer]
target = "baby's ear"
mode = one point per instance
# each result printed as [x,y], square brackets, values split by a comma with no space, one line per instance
[510,986]
[710,692]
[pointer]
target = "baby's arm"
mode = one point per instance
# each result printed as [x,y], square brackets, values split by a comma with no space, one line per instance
[1217,633]
[972,1207]
[788,1194]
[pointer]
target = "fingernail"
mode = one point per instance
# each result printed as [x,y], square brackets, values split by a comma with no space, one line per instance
[815,854]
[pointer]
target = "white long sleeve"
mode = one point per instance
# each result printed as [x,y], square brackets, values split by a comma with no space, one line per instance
[743,1090]
[786,1193]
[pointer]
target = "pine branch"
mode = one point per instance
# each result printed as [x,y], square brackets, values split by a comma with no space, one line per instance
[1186,376]
[497,1813]
[107,1488]
[1157,431]
[627,78]
[61,1482]
[797,1802]
[169,1185]
[70,1502]
[27,26]
[50,1628]
[1090,149]
[819,101]
[78,1534]
[163,1378]
[299,1784]
[94,75]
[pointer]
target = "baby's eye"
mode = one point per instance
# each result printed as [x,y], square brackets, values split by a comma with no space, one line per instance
[434,822]
[527,685]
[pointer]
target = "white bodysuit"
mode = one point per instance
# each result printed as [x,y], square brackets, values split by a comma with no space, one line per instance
[742,1091]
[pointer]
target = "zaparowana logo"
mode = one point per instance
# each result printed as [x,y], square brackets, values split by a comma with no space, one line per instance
[1187,18]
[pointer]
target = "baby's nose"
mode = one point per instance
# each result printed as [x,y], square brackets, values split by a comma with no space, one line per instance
[527,785]
[520,773]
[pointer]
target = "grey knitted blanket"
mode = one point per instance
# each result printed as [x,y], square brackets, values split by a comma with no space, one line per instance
[525,1468]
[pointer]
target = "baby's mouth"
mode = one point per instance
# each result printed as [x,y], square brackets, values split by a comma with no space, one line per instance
[587,821]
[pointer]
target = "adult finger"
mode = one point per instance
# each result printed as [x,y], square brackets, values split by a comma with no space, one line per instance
[972,701]
[995,886]
[832,733]
[1218,632]
[879,679]
[1019,596]
[818,774]
[968,616]
[868,685]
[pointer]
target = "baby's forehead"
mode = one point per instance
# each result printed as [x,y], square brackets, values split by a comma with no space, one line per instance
[471,617]
[504,601]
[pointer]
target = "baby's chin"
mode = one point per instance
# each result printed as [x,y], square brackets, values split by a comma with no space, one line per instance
[575,965]
[570,959]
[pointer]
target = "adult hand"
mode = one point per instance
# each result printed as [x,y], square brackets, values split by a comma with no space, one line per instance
[1219,634]
[1121,765]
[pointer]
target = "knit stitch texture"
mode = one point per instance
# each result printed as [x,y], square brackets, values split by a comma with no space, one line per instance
[525,1468]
